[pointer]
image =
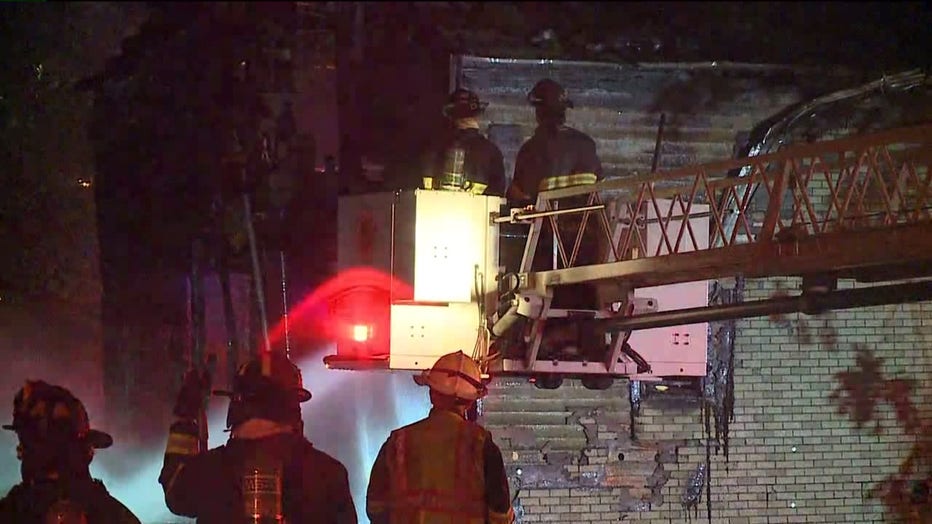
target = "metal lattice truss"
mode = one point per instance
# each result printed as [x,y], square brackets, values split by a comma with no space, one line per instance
[857,207]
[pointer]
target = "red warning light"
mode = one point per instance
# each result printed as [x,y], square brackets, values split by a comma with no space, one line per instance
[352,309]
[362,333]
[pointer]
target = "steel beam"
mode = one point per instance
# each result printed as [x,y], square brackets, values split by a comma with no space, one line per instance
[520,218]
[842,253]
[356,363]
[812,303]
[684,176]
[565,367]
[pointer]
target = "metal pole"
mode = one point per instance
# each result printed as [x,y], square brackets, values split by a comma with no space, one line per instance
[229,316]
[555,247]
[257,272]
[198,361]
[198,327]
[195,305]
[540,214]
[281,256]
[809,304]
[656,159]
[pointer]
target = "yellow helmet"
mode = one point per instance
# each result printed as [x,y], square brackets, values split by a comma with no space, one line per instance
[456,375]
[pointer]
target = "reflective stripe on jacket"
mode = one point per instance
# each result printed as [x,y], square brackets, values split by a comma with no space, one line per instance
[483,162]
[555,157]
[434,472]
[559,182]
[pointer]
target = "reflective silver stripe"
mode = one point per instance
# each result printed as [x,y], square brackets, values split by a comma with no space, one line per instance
[182,444]
[174,477]
[559,182]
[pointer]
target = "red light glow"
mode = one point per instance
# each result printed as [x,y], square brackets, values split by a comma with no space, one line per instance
[352,309]
[361,333]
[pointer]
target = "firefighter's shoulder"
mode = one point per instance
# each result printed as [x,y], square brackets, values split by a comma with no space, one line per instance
[110,509]
[218,453]
[479,428]
[10,500]
[571,133]
[320,459]
[404,429]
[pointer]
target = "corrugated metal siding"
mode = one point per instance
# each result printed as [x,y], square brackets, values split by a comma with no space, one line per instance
[708,107]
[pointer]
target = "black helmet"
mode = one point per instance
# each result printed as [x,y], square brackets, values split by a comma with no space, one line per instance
[269,386]
[463,103]
[548,93]
[45,412]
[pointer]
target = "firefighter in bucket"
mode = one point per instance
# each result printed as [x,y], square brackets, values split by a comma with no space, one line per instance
[558,156]
[267,472]
[464,158]
[443,468]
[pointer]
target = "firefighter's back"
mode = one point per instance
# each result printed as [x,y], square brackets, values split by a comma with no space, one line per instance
[555,157]
[63,502]
[282,474]
[438,471]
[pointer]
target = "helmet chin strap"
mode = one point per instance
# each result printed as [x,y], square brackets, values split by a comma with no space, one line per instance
[459,374]
[449,402]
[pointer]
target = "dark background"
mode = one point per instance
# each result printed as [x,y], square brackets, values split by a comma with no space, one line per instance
[110,161]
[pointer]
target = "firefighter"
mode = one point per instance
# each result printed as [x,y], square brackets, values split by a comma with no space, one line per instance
[443,468]
[476,158]
[558,156]
[56,447]
[267,471]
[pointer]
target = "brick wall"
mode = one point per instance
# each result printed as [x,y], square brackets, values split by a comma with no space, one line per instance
[709,111]
[793,457]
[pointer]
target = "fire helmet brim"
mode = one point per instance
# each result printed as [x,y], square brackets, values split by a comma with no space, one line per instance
[96,438]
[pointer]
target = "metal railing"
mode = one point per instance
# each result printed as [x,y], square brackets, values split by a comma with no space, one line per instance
[808,192]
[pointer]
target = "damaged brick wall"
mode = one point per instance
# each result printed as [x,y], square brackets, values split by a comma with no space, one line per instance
[793,457]
[570,452]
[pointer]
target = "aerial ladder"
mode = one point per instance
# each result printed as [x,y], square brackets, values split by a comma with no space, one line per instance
[852,208]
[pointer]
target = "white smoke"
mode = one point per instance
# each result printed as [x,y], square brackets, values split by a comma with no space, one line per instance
[349,417]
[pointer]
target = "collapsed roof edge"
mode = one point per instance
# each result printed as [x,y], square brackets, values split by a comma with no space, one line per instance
[775,132]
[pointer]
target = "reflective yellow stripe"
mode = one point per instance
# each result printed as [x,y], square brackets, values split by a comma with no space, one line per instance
[266,363]
[502,518]
[181,444]
[559,182]
[174,477]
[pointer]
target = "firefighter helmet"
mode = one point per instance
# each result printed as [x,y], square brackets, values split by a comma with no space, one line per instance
[270,372]
[456,375]
[45,412]
[463,103]
[268,386]
[548,93]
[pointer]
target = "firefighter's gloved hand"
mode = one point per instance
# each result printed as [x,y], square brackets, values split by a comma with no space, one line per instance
[194,390]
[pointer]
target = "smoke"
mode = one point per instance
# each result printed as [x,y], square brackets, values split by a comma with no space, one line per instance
[349,417]
[353,412]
